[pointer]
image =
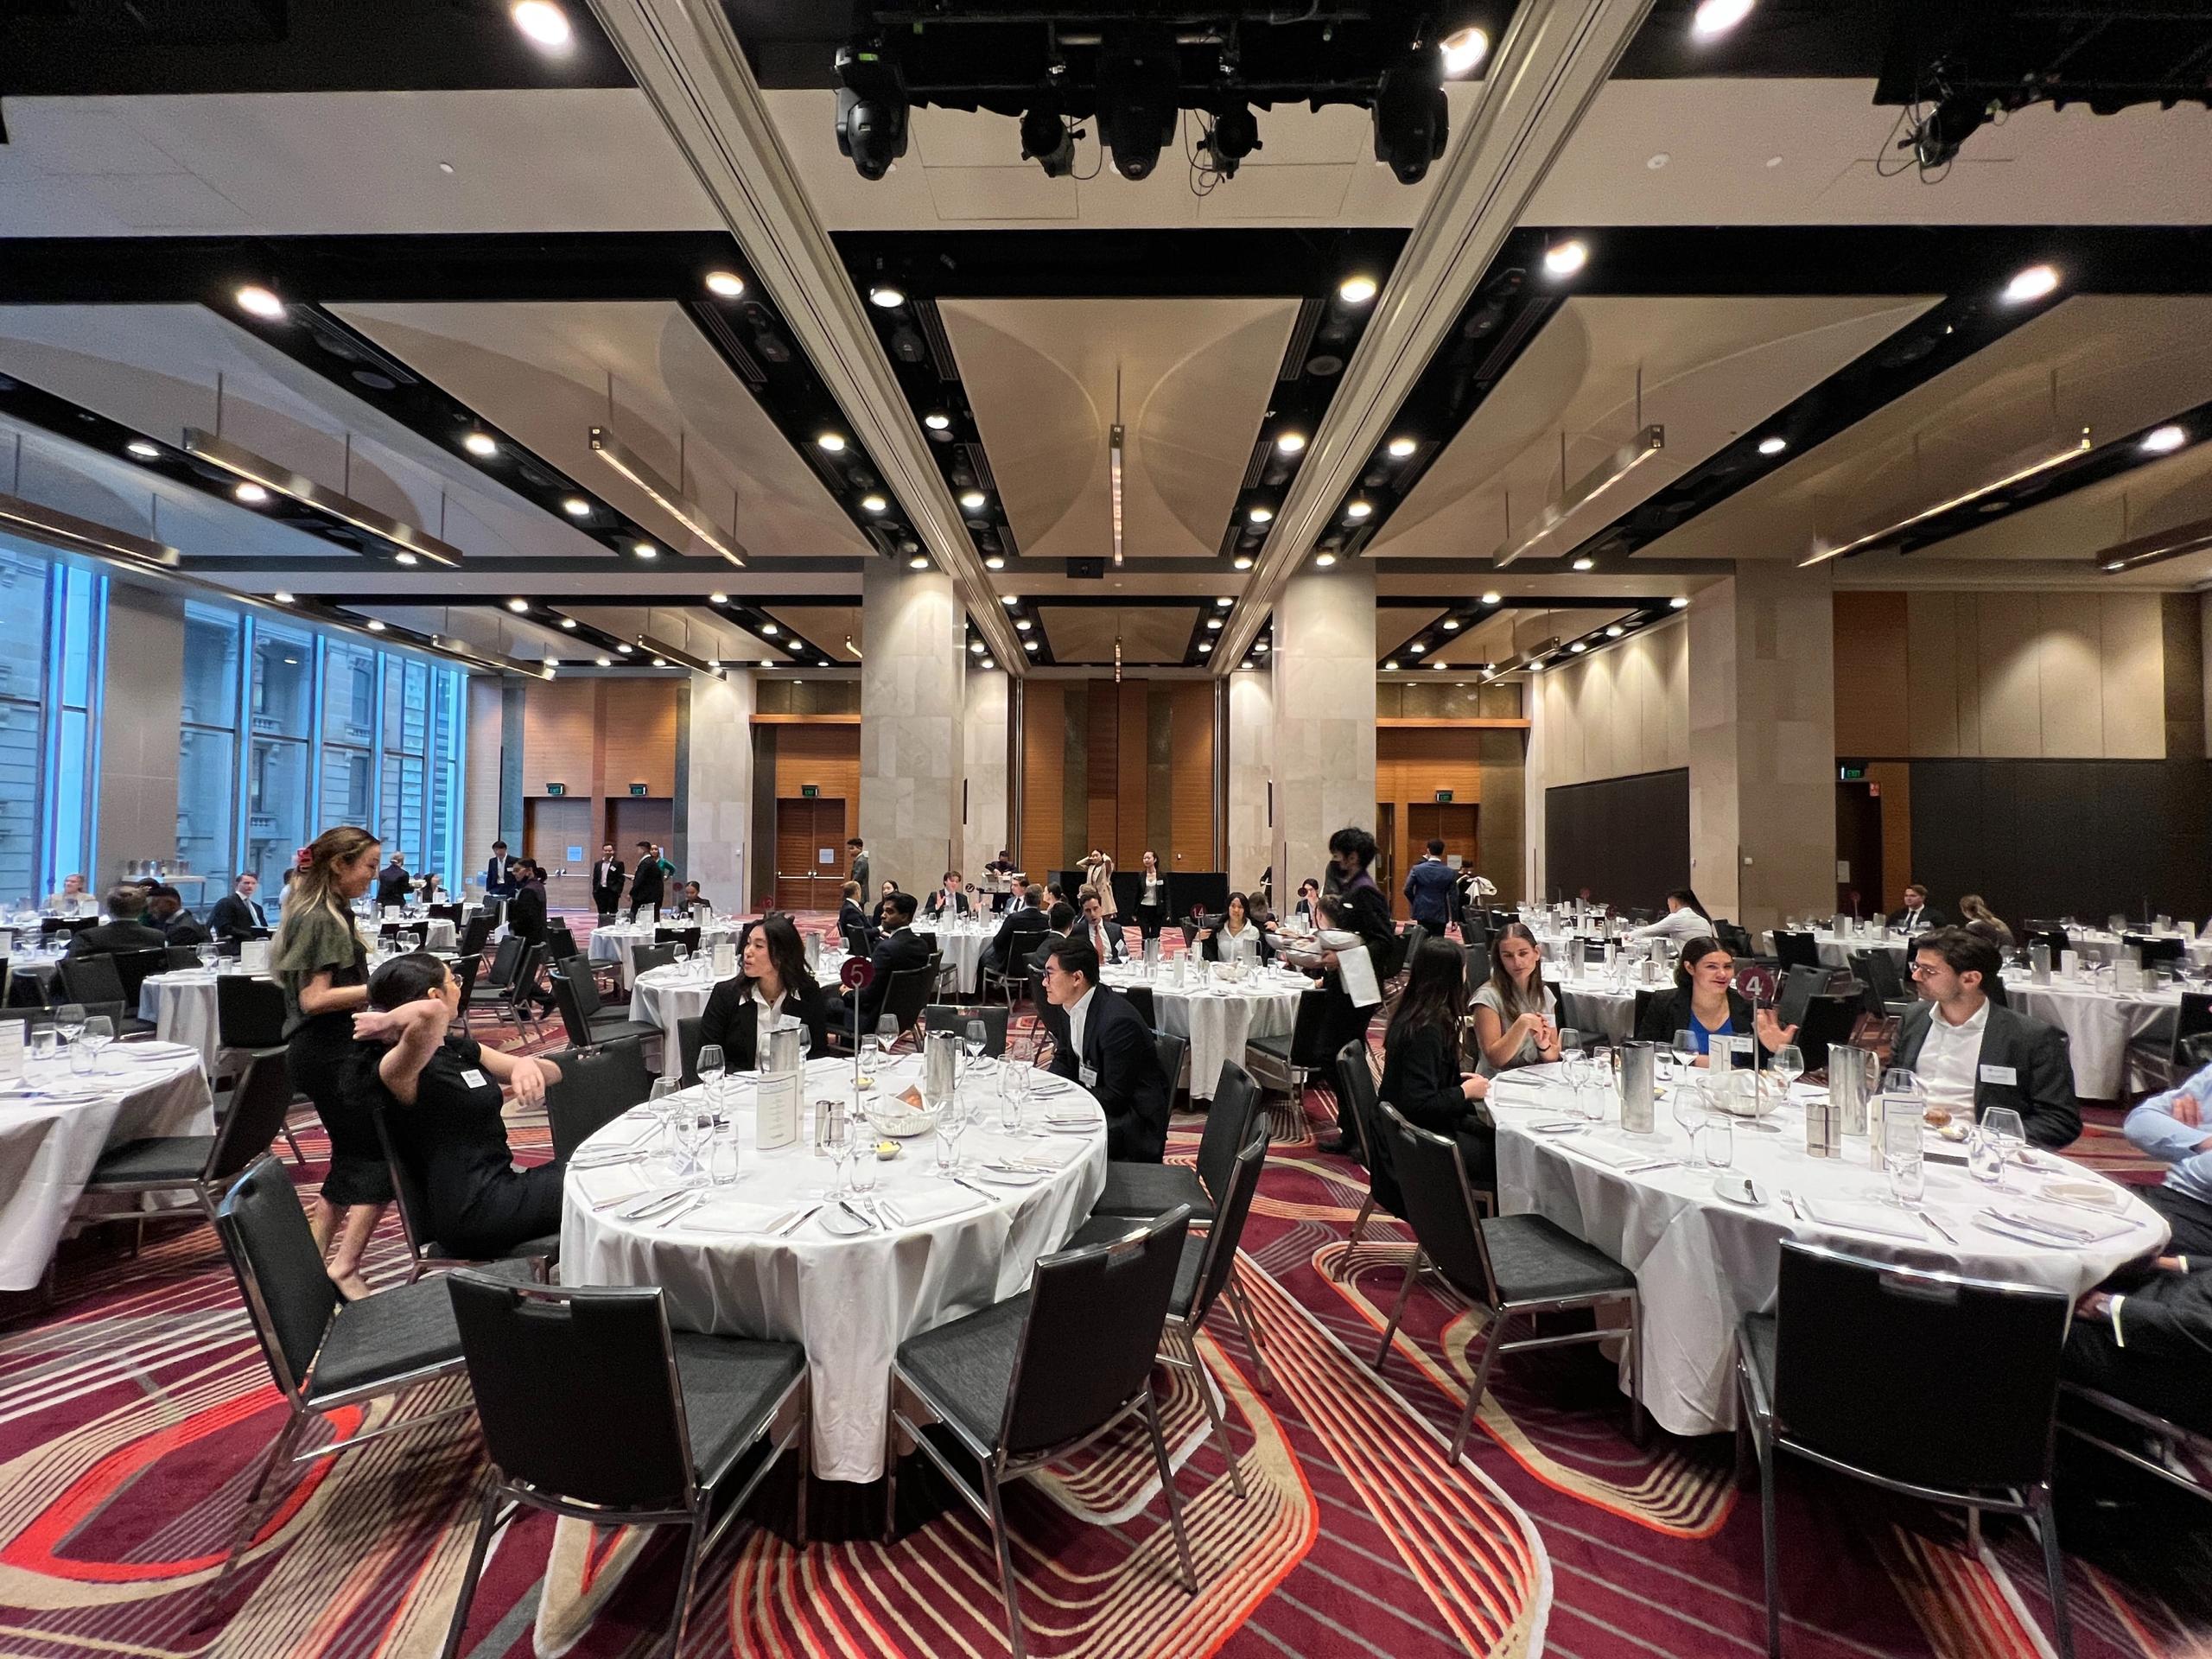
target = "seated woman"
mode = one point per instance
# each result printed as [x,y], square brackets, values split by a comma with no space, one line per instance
[1976,917]
[440,1095]
[1685,920]
[772,983]
[1239,938]
[1421,1061]
[1705,1002]
[1516,1014]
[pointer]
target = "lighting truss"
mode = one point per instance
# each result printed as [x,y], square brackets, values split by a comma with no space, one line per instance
[2041,463]
[1615,467]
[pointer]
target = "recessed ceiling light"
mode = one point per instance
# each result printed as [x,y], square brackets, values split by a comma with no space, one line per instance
[1679,603]
[541,21]
[1450,624]
[1773,445]
[1325,560]
[1657,160]
[445,167]
[768,628]
[975,647]
[281,597]
[1022,624]
[972,499]
[920,562]
[767,661]
[727,284]
[570,623]
[646,551]
[1399,448]
[887,296]
[660,661]
[1416,648]
[1774,160]
[1358,508]
[1260,647]
[1565,259]
[1291,443]
[1242,561]
[2162,442]
[718,599]
[1586,564]
[874,504]
[1391,665]
[1224,602]
[936,420]
[624,650]
[1492,597]
[1251,664]
[1440,663]
[1718,16]
[576,507]
[517,604]
[1213,622]
[608,662]
[833,442]
[481,443]
[987,662]
[1577,648]
[1615,632]
[1463,49]
[2031,284]
[1009,600]
[1204,645]
[251,493]
[995,563]
[1357,290]
[259,301]
[1029,645]
[1259,515]
[142,450]
[403,558]
[375,627]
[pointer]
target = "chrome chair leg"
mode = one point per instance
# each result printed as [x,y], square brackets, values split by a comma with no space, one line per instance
[1492,1340]
[2054,1567]
[1768,1544]
[1187,1340]
[1003,1543]
[487,1524]
[1250,1327]
[1398,1307]
[280,1456]
[683,1585]
[1359,1222]
[1167,1486]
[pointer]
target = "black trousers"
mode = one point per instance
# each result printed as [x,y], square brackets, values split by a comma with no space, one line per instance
[2191,1219]
[2170,1387]
[506,1210]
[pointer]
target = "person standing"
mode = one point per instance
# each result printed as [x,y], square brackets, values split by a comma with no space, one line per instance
[647,885]
[858,852]
[1152,898]
[1428,889]
[606,881]
[499,874]
[394,883]
[321,962]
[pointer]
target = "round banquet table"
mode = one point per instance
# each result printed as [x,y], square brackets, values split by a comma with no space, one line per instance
[1595,1006]
[54,1124]
[619,941]
[963,944]
[1702,1261]
[438,933]
[2117,1040]
[662,996]
[1216,1017]
[852,1299]
[182,1005]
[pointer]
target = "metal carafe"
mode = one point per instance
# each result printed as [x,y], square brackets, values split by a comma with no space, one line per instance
[813,952]
[1854,1075]
[783,1047]
[2039,961]
[940,1065]
[1151,953]
[1639,1074]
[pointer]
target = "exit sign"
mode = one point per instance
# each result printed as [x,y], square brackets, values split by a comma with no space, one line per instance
[1444,798]
[1851,774]
[636,788]
[556,789]
[808,791]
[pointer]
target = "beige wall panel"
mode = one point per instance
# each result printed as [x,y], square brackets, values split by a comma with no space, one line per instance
[1967,687]
[2131,652]
[1871,674]
[2069,672]
[1622,711]
[2011,677]
[1930,676]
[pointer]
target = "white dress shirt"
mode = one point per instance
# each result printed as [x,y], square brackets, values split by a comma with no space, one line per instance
[765,1014]
[1100,943]
[1911,921]
[1949,1056]
[1684,924]
[1237,947]
[1078,1022]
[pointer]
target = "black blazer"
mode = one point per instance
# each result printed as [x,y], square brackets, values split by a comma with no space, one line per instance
[934,905]
[2042,1089]
[233,915]
[1930,916]
[499,878]
[607,883]
[851,915]
[897,952]
[394,883]
[526,914]
[109,937]
[185,928]
[1117,1045]
[1045,946]
[1117,949]
[1668,1012]
[1421,1078]
[646,886]
[730,1024]
[1022,919]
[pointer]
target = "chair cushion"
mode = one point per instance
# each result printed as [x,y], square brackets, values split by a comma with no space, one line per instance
[965,1368]
[1277,1046]
[388,1335]
[1143,1190]
[179,1158]
[621,1030]
[1536,1260]
[730,1386]
[1104,1229]
[546,1244]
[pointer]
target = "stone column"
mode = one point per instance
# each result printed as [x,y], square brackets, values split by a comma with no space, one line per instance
[1762,743]
[718,797]
[1323,666]
[141,700]
[912,696]
[984,756]
[1251,769]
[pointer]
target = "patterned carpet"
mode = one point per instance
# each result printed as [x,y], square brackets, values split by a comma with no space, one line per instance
[131,1410]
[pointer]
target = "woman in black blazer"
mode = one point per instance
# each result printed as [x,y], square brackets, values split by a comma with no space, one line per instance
[774,968]
[1705,1003]
[1420,1064]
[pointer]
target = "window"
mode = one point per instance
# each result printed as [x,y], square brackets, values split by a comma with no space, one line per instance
[207,780]
[22,688]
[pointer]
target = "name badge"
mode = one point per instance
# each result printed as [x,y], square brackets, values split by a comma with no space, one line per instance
[1087,1075]
[474,1079]
[2003,1074]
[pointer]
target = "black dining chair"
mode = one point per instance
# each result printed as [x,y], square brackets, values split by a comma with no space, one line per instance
[202,1167]
[92,979]
[250,1026]
[1171,1051]
[646,958]
[1796,950]
[597,1085]
[1858,1358]
[907,994]
[1355,1088]
[1146,1190]
[179,958]
[533,1258]
[587,1024]
[1297,1056]
[1020,1385]
[957,1017]
[594,1409]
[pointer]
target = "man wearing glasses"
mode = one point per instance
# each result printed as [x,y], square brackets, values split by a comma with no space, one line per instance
[1973,1053]
[1101,1041]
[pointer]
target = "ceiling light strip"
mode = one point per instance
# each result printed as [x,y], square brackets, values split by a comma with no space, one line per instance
[645,642]
[1114,446]
[1822,552]
[2157,548]
[243,463]
[1616,467]
[76,535]
[665,496]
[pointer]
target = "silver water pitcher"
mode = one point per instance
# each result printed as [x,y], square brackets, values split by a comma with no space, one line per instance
[1151,953]
[1639,1075]
[1854,1080]
[813,952]
[783,1047]
[2039,961]
[940,1066]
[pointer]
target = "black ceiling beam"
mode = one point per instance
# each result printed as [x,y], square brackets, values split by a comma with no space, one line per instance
[1231,263]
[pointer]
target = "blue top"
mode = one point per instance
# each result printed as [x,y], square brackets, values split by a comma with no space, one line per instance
[1703,1038]
[2155,1131]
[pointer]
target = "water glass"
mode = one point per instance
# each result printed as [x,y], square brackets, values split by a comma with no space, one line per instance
[2003,1126]
[1013,1092]
[951,1119]
[722,1157]
[41,1043]
[1788,1065]
[1688,1105]
[1984,1158]
[861,1179]
[694,1131]
[1719,1139]
[100,1032]
[1908,1171]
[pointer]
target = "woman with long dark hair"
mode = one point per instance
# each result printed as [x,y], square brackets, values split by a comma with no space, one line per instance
[1516,1014]
[1420,1059]
[772,983]
[1239,938]
[1152,900]
[1705,1002]
[1685,919]
[320,960]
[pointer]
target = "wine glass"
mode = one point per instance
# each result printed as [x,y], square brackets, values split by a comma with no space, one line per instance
[837,1141]
[1570,1043]
[2008,1134]
[661,1101]
[710,1066]
[973,1040]
[100,1032]
[1788,1065]
[1685,1051]
[1688,1105]
[694,1129]
[69,1023]
[951,1119]
[209,956]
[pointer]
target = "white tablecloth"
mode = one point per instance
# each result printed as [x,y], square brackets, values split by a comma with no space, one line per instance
[1836,950]
[851,1300]
[1702,1261]
[662,996]
[620,943]
[49,1143]
[1219,1018]
[2118,1040]
[182,1008]
[439,934]
[963,944]
[1595,1007]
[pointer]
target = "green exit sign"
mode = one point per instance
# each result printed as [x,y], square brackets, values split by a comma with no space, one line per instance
[556,789]
[636,788]
[810,791]
[1444,798]
[1851,774]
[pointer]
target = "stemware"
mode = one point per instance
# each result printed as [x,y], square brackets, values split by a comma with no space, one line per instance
[100,1032]
[69,1022]
[973,1040]
[1686,1101]
[710,1065]
[951,1119]
[1788,1065]
[2008,1134]
[209,956]
[694,1130]
[837,1139]
[660,1101]
[1685,1051]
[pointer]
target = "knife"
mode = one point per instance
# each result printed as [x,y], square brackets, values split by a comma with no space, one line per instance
[1930,1218]
[646,1206]
[668,1216]
[867,1222]
[793,1221]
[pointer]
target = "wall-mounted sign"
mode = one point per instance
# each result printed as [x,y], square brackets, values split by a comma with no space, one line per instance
[826,855]
[576,855]
[556,789]
[808,791]
[1444,798]
[636,788]
[1851,774]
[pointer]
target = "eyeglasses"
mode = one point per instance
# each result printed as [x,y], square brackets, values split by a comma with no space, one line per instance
[1925,970]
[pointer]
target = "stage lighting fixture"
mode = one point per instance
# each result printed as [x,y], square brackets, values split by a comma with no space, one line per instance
[870,109]
[1412,119]
[1047,140]
[1235,135]
[1138,98]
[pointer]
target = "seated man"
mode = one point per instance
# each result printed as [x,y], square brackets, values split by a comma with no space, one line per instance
[1026,918]
[851,916]
[165,910]
[2149,1342]
[1059,922]
[238,913]
[123,931]
[2172,1129]
[1102,1042]
[1916,914]
[901,949]
[1101,934]
[1969,1051]
[949,897]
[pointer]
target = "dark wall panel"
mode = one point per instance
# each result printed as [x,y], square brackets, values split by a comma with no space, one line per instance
[1626,839]
[2049,838]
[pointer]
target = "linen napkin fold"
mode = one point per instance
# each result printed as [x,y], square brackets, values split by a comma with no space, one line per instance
[1863,1216]
[934,1204]
[1615,1157]
[2070,1231]
[601,1187]
[723,1214]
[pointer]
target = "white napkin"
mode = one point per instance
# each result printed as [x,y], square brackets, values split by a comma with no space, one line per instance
[725,1214]
[934,1204]
[1059,1154]
[1614,1157]
[2060,1227]
[2087,1194]
[1050,1086]
[601,1187]
[1863,1216]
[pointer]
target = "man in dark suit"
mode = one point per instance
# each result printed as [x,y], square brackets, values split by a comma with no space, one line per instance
[165,910]
[606,881]
[901,949]
[1971,1053]
[858,852]
[237,914]
[124,930]
[1102,934]
[527,920]
[2145,1337]
[1059,923]
[950,896]
[646,887]
[1102,1042]
[1025,920]
[1916,915]
[851,916]
[499,873]
[393,882]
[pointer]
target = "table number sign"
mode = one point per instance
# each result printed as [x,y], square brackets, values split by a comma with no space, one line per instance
[725,959]
[253,955]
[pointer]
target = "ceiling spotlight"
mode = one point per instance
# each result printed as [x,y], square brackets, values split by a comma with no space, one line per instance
[576,507]
[570,623]
[768,628]
[972,499]
[936,420]
[887,296]
[1773,445]
[1291,443]
[1357,290]
[403,558]
[1259,647]
[1577,648]
[660,661]
[1225,602]
[1235,135]
[646,550]
[281,597]
[1714,17]
[608,662]
[624,650]
[975,647]
[1046,138]
[870,109]
[1416,648]
[1022,624]
[1204,645]
[1463,49]
[1492,597]
[517,604]
[1565,259]
[1259,515]
[996,561]
[1325,560]
[1390,666]
[543,23]
[1212,623]
[832,441]
[2164,440]
[375,627]
[717,599]
[873,503]
[920,562]
[260,302]
[251,493]
[1009,600]
[1585,563]
[146,451]
[767,661]
[1412,119]
[1615,632]
[2031,284]
[1139,80]
[1357,510]
[986,663]
[1450,624]
[1440,663]
[1242,561]
[1029,645]
[1679,603]
[1399,448]
[481,443]
[725,284]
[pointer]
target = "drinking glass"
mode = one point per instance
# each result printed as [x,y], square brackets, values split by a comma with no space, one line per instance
[1590,1095]
[100,1032]
[974,1039]
[867,1063]
[860,1155]
[209,956]
[41,1043]
[837,1141]
[710,1066]
[1719,1139]
[1685,1051]
[1984,1158]
[722,1157]
[951,1119]
[1688,1106]
[661,1101]
[694,1130]
[1013,1092]
[1570,1043]
[1908,1171]
[2004,1127]
[69,1022]
[1788,1065]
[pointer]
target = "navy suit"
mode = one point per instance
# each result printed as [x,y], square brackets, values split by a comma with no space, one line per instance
[1118,1047]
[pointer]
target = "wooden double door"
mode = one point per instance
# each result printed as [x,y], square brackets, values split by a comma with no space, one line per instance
[811,862]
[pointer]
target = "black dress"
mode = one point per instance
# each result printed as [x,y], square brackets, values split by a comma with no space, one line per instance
[319,1050]
[454,1140]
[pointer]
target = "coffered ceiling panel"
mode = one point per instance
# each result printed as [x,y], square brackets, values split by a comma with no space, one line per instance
[827,626]
[1149,635]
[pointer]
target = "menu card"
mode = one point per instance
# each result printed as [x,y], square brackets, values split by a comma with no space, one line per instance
[11,1049]
[776,1103]
[253,955]
[725,959]
[7,940]
[1358,975]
